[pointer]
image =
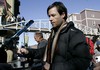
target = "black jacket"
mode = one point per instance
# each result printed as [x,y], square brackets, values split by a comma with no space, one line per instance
[39,52]
[36,55]
[72,52]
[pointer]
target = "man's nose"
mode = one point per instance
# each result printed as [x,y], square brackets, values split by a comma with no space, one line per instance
[50,18]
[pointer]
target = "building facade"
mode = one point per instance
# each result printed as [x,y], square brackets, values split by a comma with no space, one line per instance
[8,10]
[87,20]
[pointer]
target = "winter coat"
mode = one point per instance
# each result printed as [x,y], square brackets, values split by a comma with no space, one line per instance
[72,52]
[39,52]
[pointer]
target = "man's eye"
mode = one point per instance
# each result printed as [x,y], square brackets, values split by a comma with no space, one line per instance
[53,15]
[48,15]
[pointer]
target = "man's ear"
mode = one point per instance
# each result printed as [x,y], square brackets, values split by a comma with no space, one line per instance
[63,15]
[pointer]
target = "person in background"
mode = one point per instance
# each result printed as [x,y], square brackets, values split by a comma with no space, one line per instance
[67,48]
[91,48]
[35,54]
[97,66]
[91,45]
[97,55]
[97,49]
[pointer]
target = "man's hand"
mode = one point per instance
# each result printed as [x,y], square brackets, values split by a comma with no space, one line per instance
[23,51]
[47,66]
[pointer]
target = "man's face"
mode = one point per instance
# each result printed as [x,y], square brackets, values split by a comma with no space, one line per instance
[36,38]
[55,18]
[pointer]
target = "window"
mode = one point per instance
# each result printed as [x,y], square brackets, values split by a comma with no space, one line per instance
[74,17]
[92,15]
[93,23]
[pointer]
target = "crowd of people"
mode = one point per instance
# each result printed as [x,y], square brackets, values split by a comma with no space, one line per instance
[65,49]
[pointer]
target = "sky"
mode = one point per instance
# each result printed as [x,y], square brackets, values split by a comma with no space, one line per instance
[37,9]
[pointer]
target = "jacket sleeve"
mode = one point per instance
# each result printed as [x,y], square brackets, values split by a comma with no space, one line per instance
[39,52]
[79,50]
[36,53]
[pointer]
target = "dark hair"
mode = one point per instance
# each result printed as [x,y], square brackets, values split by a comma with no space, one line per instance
[38,33]
[60,8]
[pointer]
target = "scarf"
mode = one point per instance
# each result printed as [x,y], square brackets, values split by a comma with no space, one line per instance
[49,52]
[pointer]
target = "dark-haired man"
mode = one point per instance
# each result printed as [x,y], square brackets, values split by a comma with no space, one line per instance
[67,48]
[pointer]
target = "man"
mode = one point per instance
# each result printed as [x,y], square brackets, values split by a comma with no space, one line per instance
[97,55]
[67,48]
[37,53]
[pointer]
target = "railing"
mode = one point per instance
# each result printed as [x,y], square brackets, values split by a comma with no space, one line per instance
[87,30]
[45,25]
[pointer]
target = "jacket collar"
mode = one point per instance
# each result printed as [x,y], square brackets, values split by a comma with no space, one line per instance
[69,25]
